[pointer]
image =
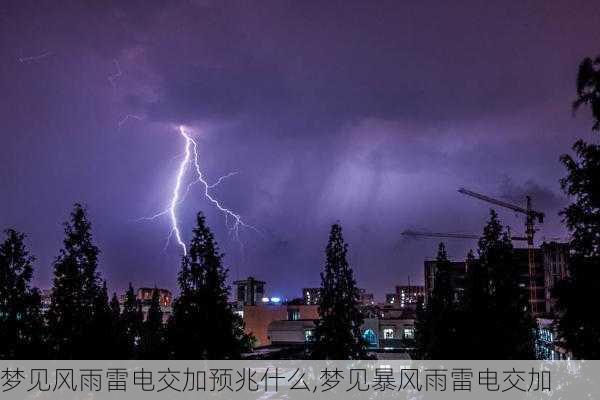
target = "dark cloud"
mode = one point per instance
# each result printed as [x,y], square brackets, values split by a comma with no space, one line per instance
[372,114]
[544,198]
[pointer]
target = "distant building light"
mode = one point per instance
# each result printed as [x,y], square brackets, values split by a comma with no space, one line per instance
[275,299]
[265,299]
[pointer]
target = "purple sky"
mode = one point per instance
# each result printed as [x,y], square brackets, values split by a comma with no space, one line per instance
[370,113]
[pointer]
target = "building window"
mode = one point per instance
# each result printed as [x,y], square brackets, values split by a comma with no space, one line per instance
[388,333]
[241,293]
[293,315]
[370,337]
[309,335]
[409,333]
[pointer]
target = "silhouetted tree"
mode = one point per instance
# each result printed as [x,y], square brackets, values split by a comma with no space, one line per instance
[75,291]
[204,326]
[422,332]
[475,308]
[153,338]
[337,334]
[497,323]
[117,332]
[436,326]
[588,88]
[115,308]
[21,324]
[131,324]
[579,324]
[102,328]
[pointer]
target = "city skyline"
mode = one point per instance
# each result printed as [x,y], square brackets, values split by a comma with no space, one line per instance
[370,115]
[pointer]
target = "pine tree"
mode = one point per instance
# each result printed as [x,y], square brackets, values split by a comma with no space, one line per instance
[204,325]
[337,334]
[75,290]
[579,324]
[475,313]
[117,333]
[494,301]
[35,329]
[102,328]
[115,308]
[437,323]
[152,344]
[21,322]
[131,324]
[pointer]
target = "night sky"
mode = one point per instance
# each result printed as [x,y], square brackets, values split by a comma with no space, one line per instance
[369,113]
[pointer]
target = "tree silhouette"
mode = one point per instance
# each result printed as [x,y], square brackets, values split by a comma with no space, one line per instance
[75,290]
[153,338]
[588,88]
[494,301]
[21,324]
[117,331]
[131,323]
[436,325]
[102,332]
[579,324]
[201,314]
[337,334]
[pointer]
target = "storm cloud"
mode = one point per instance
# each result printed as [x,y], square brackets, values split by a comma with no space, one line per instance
[370,113]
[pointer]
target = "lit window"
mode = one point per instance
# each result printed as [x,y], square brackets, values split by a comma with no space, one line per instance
[409,333]
[293,315]
[309,335]
[388,333]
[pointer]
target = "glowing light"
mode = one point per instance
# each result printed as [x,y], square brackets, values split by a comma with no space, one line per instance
[128,117]
[275,299]
[191,159]
[265,299]
[175,198]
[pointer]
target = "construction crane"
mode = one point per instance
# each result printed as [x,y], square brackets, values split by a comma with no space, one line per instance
[531,216]
[409,232]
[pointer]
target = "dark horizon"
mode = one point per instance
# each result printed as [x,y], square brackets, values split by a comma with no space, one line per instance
[372,115]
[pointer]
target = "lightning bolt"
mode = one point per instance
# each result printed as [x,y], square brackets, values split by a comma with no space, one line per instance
[191,160]
[128,117]
[34,58]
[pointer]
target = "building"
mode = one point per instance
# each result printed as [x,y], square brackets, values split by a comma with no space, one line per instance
[45,300]
[556,267]
[311,296]
[458,271]
[389,334]
[249,291]
[406,296]
[258,319]
[410,295]
[547,345]
[521,257]
[291,332]
[390,299]
[365,298]
[551,265]
[165,300]
[144,295]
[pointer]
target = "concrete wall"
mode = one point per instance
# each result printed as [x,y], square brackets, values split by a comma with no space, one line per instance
[257,318]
